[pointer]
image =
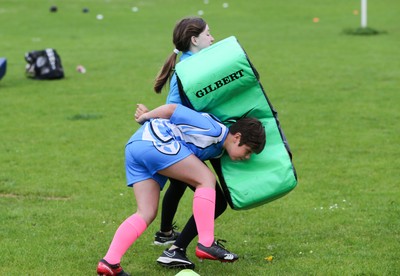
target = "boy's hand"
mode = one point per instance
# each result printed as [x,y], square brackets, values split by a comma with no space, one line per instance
[141,109]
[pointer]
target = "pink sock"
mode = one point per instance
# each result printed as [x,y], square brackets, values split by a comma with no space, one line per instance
[203,212]
[126,234]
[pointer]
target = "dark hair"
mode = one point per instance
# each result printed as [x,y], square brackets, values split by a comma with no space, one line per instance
[252,133]
[184,30]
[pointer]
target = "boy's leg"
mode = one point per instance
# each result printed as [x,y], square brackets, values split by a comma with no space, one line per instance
[147,194]
[189,232]
[203,213]
[126,234]
[193,171]
[216,252]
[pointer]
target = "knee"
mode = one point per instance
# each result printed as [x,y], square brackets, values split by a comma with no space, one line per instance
[152,216]
[210,180]
[148,215]
[206,180]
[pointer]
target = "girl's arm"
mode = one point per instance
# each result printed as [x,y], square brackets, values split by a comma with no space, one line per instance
[165,112]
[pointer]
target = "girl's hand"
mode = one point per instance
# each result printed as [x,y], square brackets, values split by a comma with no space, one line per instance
[140,117]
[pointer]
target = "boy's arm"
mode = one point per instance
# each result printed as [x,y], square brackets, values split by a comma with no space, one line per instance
[165,112]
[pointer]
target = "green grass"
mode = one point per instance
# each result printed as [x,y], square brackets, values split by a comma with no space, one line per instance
[62,179]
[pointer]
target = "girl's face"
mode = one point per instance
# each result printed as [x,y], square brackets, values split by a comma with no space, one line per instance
[204,40]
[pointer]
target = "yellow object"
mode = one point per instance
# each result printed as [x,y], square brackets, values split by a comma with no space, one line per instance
[269,258]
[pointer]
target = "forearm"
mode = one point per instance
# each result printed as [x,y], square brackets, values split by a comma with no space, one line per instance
[164,112]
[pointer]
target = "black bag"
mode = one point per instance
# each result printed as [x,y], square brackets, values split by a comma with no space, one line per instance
[44,65]
[3,67]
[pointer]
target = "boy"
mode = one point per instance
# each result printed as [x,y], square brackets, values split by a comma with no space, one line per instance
[172,143]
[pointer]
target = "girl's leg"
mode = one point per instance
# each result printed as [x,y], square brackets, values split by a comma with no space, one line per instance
[170,202]
[147,194]
[194,172]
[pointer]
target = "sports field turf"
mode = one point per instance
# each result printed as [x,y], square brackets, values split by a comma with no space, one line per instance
[62,178]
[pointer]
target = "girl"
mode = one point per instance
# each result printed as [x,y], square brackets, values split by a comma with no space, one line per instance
[190,36]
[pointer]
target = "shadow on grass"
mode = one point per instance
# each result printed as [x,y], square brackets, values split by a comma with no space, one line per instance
[41,197]
[366,31]
[77,117]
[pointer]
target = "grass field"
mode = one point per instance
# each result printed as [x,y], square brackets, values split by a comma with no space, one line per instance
[62,178]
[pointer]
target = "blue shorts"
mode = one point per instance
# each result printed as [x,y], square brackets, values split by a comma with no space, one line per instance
[143,159]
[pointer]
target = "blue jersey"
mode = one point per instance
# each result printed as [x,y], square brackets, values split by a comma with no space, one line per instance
[173,94]
[160,143]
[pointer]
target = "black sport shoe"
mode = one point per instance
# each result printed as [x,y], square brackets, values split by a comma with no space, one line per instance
[161,239]
[106,269]
[215,252]
[175,258]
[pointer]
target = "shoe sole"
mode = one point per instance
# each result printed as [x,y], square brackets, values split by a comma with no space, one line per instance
[163,243]
[166,262]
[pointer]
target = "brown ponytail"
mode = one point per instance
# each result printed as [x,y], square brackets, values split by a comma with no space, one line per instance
[165,73]
[184,30]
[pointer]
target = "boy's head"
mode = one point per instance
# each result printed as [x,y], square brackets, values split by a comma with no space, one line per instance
[247,135]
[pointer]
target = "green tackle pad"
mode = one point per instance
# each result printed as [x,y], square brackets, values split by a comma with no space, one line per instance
[222,81]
